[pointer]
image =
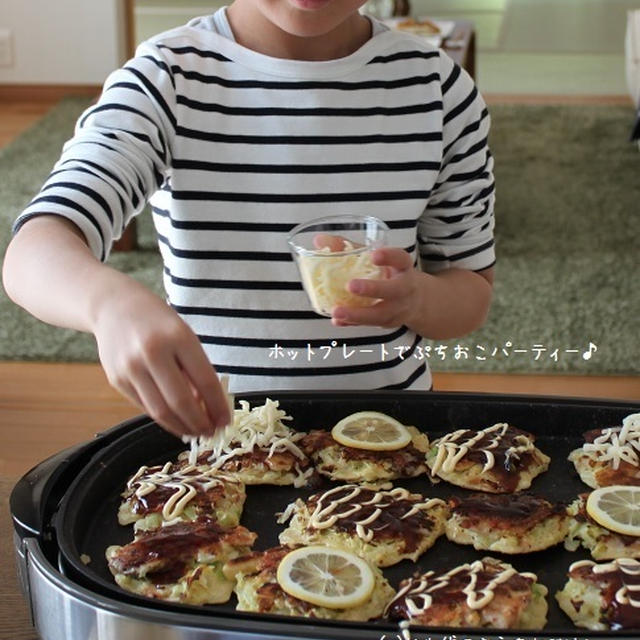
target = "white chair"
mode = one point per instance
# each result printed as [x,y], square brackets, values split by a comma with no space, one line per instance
[632,56]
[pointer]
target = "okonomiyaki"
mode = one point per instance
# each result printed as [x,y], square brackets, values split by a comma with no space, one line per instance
[258,589]
[603,597]
[180,562]
[351,464]
[498,459]
[485,593]
[258,448]
[159,494]
[384,527]
[610,456]
[603,543]
[520,523]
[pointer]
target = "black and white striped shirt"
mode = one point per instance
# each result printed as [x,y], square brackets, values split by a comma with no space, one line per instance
[234,148]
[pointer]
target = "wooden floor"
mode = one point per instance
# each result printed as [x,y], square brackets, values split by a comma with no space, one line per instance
[18,115]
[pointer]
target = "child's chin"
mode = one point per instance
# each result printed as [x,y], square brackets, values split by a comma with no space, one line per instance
[310,5]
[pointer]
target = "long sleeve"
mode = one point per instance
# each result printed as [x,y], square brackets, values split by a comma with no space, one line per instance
[456,229]
[118,156]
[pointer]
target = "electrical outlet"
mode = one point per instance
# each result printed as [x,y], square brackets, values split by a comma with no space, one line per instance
[6,48]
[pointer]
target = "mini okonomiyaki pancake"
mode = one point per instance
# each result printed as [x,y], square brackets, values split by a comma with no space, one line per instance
[384,527]
[314,582]
[603,597]
[603,543]
[180,562]
[159,494]
[485,593]
[257,447]
[520,523]
[610,455]
[498,459]
[352,464]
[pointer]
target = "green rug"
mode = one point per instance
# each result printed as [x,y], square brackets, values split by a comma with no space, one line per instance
[567,229]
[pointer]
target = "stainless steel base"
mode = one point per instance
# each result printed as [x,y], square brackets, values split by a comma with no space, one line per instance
[62,610]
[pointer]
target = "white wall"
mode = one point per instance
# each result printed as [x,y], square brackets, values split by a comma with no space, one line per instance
[63,41]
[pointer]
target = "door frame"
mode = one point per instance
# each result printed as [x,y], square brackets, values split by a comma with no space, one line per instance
[129,27]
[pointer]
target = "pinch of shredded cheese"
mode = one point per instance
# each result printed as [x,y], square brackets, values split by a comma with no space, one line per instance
[192,441]
[261,427]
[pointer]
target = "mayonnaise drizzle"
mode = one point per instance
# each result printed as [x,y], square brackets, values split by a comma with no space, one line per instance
[629,593]
[418,592]
[451,449]
[326,512]
[183,481]
[618,444]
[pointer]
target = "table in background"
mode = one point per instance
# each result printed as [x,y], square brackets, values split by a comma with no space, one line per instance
[461,46]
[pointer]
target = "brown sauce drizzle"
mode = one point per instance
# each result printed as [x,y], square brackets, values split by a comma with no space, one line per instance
[259,457]
[522,509]
[619,581]
[583,516]
[473,584]
[399,458]
[373,514]
[502,449]
[171,488]
[173,546]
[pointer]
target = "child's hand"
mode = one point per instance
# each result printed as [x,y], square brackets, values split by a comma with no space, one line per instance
[399,294]
[151,356]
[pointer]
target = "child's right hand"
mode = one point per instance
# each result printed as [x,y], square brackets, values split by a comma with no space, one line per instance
[152,357]
[148,352]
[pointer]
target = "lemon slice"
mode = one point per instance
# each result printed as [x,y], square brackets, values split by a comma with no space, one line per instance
[326,577]
[371,430]
[616,508]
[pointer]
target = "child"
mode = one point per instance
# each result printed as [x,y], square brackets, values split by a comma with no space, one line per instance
[238,127]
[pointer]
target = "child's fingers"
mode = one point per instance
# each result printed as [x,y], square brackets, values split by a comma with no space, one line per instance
[328,241]
[378,315]
[396,259]
[175,387]
[391,289]
[207,385]
[157,407]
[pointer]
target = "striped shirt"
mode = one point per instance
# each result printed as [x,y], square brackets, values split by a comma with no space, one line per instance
[234,148]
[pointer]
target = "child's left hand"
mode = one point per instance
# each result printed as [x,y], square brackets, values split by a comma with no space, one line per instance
[399,295]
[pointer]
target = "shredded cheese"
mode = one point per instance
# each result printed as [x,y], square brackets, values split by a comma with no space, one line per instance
[262,427]
[618,444]
[192,441]
[325,275]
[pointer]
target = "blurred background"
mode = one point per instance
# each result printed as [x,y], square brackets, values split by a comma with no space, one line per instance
[524,46]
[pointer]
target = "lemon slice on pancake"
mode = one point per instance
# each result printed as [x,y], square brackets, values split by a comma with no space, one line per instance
[371,430]
[326,577]
[616,508]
